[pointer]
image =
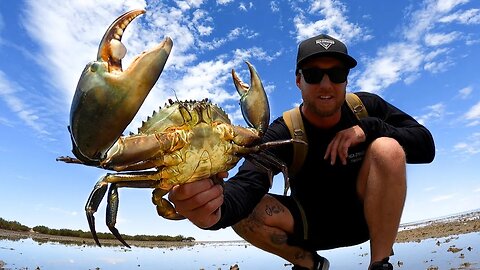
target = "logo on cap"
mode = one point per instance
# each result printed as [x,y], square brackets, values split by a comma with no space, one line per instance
[325,43]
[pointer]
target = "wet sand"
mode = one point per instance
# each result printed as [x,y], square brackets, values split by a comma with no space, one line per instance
[414,232]
[445,232]
[455,225]
[440,230]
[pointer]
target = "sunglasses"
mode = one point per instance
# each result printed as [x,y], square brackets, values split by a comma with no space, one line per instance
[315,75]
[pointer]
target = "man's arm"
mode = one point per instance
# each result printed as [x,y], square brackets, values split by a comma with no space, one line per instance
[385,120]
[242,193]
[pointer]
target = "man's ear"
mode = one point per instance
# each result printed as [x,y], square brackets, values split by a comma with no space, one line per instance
[297,80]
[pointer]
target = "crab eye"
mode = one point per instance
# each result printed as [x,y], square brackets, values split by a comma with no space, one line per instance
[94,67]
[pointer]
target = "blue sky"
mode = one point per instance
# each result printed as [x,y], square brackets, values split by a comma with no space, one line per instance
[421,56]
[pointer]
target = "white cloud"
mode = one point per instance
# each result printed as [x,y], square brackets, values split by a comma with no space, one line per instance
[10,93]
[437,39]
[443,197]
[436,60]
[465,92]
[6,122]
[245,6]
[447,5]
[469,147]
[239,32]
[185,5]
[471,40]
[334,22]
[389,66]
[205,80]
[437,67]
[257,53]
[473,123]
[473,112]
[405,59]
[201,22]
[434,112]
[224,2]
[204,30]
[274,6]
[471,16]
[431,55]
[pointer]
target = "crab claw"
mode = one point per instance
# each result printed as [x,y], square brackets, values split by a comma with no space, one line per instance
[253,100]
[107,98]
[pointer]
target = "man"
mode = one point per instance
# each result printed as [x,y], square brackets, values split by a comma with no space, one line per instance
[351,187]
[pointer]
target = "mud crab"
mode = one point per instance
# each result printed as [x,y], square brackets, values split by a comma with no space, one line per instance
[183,142]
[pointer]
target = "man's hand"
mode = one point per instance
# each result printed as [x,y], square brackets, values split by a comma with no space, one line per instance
[199,201]
[342,141]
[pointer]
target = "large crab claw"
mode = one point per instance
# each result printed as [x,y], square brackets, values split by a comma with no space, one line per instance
[253,100]
[107,98]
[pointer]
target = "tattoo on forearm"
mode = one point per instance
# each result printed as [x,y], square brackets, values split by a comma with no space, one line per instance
[274,209]
[278,238]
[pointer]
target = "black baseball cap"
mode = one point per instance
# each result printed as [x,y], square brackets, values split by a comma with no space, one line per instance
[324,45]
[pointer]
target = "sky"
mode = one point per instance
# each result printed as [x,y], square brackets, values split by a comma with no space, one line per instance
[420,55]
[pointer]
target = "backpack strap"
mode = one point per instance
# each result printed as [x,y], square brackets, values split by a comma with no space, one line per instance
[356,105]
[294,122]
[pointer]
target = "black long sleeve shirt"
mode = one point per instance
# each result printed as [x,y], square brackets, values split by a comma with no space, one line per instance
[318,184]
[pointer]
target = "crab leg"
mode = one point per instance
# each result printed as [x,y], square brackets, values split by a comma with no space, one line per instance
[112,210]
[120,180]
[164,208]
[94,200]
[266,161]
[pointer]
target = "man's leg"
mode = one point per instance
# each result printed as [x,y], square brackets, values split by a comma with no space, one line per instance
[267,228]
[382,187]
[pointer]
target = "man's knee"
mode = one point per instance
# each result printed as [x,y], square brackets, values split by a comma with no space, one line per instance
[386,149]
[384,166]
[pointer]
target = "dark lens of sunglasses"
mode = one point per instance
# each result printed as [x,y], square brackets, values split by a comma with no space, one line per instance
[315,75]
[337,75]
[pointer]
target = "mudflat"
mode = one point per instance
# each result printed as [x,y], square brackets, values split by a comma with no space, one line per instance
[454,225]
[413,232]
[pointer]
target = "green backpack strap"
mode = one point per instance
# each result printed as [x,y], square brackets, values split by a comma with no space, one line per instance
[356,105]
[294,122]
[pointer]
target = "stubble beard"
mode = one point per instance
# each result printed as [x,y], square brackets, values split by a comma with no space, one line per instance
[322,111]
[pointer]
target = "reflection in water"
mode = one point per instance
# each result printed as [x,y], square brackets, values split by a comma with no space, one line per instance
[26,253]
[89,242]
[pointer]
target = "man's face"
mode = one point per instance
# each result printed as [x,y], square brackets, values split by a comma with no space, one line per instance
[322,96]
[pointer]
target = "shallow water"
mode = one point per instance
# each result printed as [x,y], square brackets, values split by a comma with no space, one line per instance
[29,254]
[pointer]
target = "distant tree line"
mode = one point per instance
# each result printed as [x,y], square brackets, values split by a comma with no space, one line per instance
[16,226]
[13,226]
